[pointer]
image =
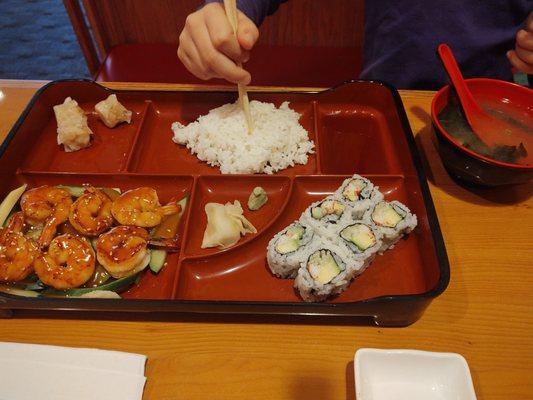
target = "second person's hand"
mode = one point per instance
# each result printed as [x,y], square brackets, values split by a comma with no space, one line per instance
[522,56]
[209,49]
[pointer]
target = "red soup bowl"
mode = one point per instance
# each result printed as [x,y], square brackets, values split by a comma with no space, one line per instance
[468,165]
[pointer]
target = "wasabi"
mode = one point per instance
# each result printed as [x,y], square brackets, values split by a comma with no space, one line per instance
[257,199]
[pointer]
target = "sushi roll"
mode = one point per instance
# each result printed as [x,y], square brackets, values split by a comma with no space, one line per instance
[323,274]
[359,193]
[337,238]
[393,220]
[287,250]
[362,241]
[326,216]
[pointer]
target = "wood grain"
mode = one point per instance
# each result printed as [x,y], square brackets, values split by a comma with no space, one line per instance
[83,34]
[485,314]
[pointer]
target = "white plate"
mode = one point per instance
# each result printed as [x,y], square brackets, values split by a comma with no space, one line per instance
[411,375]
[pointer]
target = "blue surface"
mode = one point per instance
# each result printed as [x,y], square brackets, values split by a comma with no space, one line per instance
[37,41]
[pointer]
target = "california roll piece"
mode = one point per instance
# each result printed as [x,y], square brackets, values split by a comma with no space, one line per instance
[326,216]
[363,241]
[393,220]
[288,249]
[359,193]
[323,274]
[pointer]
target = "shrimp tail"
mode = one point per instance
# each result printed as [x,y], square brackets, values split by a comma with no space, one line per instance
[48,233]
[171,208]
[16,223]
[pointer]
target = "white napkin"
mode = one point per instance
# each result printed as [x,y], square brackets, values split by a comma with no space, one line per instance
[29,371]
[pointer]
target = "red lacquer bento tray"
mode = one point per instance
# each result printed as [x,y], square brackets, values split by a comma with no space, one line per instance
[358,127]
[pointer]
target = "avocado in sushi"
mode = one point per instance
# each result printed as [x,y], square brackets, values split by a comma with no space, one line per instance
[322,266]
[384,214]
[291,240]
[352,191]
[360,235]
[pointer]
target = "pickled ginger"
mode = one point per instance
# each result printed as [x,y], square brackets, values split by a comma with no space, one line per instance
[225,225]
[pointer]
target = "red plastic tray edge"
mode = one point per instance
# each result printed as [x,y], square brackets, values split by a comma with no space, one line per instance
[363,308]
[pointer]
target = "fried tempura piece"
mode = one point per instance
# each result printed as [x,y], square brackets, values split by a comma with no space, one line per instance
[111,112]
[72,129]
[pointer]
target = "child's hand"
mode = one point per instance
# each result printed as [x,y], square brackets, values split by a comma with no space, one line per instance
[522,56]
[209,49]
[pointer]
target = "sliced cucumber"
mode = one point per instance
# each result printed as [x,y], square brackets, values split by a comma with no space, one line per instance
[157,260]
[32,278]
[75,191]
[100,294]
[30,283]
[10,202]
[8,219]
[118,285]
[183,204]
[18,292]
[112,193]
[100,277]
[35,286]
[140,267]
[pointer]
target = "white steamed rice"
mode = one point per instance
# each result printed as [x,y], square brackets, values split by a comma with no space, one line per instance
[221,138]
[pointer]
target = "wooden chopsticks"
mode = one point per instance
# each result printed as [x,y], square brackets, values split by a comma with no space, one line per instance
[230,6]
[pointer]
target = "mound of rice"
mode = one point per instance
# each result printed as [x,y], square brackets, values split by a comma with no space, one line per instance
[221,138]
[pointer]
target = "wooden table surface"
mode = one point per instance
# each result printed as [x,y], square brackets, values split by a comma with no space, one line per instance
[485,314]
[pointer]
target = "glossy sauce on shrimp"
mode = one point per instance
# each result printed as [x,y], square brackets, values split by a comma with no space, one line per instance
[46,206]
[17,253]
[68,263]
[91,214]
[141,207]
[123,250]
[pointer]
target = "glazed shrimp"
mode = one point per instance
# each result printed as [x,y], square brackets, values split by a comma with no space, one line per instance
[16,222]
[123,250]
[17,253]
[68,263]
[90,214]
[141,207]
[48,206]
